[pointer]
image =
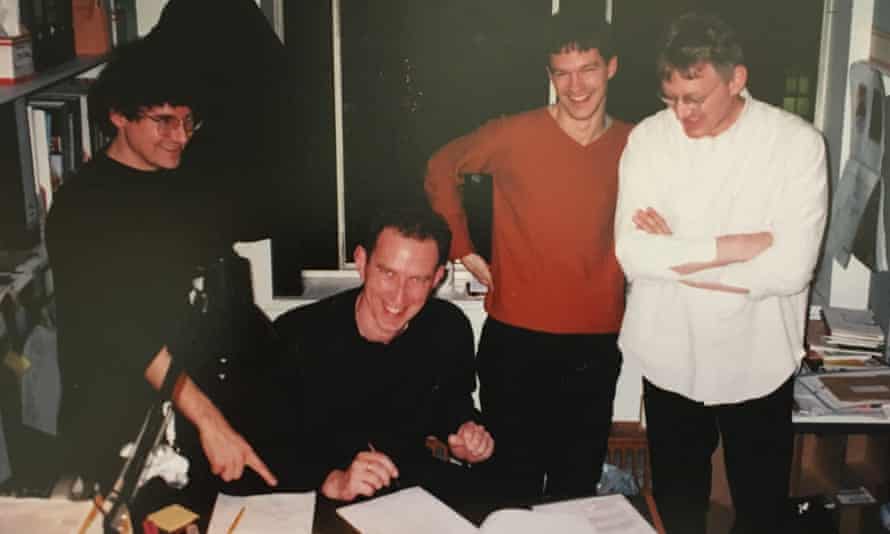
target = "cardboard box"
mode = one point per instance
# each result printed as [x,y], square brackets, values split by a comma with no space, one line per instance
[172,519]
[16,59]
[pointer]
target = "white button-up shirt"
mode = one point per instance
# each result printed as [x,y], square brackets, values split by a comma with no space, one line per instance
[767,172]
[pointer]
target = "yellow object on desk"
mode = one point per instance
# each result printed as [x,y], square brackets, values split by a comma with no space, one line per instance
[237,520]
[172,518]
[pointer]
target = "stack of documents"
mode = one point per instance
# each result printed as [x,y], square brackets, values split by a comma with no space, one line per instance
[846,340]
[855,393]
[853,330]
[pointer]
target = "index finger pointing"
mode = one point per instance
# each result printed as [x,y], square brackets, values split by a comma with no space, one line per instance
[254,462]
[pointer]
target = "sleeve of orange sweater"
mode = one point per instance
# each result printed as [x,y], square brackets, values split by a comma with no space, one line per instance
[473,153]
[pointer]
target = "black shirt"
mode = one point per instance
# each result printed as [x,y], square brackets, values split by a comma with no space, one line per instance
[124,246]
[356,392]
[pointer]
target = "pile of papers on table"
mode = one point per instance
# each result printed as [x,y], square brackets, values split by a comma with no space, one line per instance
[855,393]
[847,340]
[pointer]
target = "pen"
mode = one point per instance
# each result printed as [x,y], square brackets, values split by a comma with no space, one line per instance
[455,461]
[440,451]
[237,520]
[394,481]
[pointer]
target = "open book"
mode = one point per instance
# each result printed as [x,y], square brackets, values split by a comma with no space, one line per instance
[415,510]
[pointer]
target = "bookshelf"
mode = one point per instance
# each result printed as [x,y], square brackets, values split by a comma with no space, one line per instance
[25,284]
[41,80]
[19,204]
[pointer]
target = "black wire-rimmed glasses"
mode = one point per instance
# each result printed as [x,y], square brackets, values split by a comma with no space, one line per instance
[167,124]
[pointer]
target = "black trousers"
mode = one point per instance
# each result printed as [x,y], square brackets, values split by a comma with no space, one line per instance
[757,445]
[547,400]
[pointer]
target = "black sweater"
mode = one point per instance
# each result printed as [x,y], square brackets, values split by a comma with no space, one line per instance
[355,393]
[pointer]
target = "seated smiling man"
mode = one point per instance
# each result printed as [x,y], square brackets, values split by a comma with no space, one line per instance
[384,366]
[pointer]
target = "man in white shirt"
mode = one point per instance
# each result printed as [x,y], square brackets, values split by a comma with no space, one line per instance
[721,208]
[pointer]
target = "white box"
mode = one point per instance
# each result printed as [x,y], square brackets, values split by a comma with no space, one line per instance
[11,17]
[16,59]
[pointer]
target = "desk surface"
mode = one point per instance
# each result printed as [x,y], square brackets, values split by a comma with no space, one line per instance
[812,415]
[326,520]
[473,505]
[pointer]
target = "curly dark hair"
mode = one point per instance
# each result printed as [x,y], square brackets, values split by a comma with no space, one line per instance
[141,75]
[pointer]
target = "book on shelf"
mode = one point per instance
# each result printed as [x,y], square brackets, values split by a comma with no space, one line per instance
[61,135]
[40,141]
[66,146]
[76,90]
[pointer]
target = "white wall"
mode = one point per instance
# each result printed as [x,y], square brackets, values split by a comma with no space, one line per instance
[148,12]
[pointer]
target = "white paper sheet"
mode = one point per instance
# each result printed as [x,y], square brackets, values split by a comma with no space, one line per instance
[510,521]
[611,514]
[47,516]
[408,511]
[264,514]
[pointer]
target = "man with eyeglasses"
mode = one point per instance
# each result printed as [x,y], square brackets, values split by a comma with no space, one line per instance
[721,209]
[125,237]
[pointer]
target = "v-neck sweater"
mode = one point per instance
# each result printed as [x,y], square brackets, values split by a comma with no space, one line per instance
[553,260]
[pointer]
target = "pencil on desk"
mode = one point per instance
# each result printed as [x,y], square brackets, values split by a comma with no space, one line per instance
[237,520]
[88,520]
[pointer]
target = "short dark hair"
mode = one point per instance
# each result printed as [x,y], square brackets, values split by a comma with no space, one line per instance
[580,30]
[695,38]
[417,222]
[141,75]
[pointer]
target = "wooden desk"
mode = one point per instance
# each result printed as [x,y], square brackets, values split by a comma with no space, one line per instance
[475,508]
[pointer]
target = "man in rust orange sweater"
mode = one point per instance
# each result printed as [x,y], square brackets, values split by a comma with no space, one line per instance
[548,360]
